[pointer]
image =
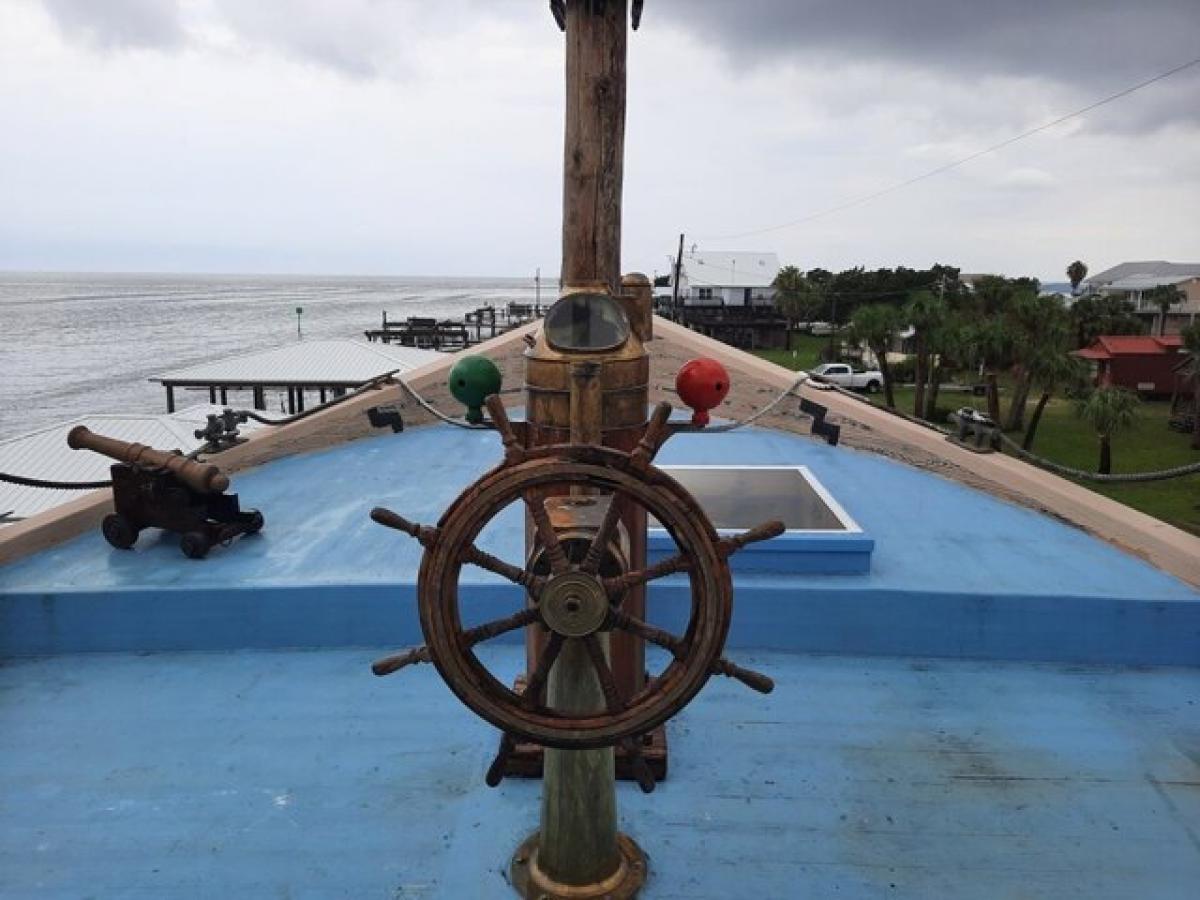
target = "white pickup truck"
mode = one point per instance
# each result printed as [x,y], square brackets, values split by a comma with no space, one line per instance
[844,375]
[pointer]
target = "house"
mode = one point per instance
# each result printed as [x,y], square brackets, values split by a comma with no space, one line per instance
[1138,362]
[727,278]
[728,295]
[1134,280]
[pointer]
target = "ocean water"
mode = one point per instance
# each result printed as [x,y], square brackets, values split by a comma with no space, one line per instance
[72,344]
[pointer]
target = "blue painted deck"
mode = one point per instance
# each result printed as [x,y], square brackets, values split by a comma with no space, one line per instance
[294,773]
[955,572]
[297,774]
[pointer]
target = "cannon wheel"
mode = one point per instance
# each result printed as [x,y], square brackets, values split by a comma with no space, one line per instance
[119,531]
[194,545]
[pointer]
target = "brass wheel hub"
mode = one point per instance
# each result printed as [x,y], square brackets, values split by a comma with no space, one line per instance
[574,604]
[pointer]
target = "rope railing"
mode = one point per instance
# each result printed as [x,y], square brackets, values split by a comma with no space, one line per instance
[789,391]
[23,481]
[371,385]
[1084,475]
[437,413]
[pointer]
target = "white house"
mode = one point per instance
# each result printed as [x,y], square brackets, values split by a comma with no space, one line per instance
[1134,280]
[727,278]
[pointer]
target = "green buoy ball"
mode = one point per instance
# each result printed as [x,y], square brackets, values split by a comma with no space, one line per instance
[472,380]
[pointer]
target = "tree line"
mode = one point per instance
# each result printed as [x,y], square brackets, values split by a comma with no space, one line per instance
[993,327]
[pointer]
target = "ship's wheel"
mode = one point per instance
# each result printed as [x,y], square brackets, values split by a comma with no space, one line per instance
[574,601]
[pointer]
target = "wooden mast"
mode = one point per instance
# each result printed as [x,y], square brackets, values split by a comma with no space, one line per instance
[594,147]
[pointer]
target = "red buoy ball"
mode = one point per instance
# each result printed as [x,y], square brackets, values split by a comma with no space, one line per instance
[702,384]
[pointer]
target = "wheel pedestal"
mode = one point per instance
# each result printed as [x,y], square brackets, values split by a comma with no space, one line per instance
[578,853]
[532,882]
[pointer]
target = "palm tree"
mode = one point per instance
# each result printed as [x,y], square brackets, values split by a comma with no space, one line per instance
[1035,321]
[925,312]
[1050,368]
[1191,375]
[875,325]
[991,340]
[1164,297]
[1109,410]
[1077,271]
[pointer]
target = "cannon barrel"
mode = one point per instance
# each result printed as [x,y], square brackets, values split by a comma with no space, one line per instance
[200,477]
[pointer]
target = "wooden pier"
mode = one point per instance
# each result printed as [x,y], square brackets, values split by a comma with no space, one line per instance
[757,327]
[452,334]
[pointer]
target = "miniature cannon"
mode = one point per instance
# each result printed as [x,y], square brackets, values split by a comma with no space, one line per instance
[975,431]
[154,489]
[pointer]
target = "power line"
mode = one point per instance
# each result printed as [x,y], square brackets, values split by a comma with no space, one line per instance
[866,198]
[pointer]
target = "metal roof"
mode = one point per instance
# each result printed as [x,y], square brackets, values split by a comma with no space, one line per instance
[340,361]
[1146,282]
[1110,345]
[730,268]
[1158,271]
[45,455]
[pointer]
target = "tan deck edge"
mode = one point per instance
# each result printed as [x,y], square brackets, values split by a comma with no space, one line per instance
[864,427]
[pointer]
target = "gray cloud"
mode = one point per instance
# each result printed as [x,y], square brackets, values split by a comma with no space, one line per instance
[1071,40]
[116,24]
[1092,45]
[357,38]
[360,38]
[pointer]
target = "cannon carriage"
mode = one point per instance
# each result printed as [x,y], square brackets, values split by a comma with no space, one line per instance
[156,489]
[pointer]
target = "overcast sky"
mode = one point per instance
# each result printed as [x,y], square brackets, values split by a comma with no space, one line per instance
[416,137]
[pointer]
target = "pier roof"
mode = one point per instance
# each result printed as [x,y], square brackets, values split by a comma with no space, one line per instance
[326,362]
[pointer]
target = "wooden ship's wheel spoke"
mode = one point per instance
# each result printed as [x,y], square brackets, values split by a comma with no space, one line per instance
[523,577]
[470,638]
[391,664]
[427,537]
[608,684]
[536,504]
[604,535]
[677,647]
[489,630]
[617,587]
[532,697]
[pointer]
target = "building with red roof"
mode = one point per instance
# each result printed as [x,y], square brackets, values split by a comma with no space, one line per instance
[1141,363]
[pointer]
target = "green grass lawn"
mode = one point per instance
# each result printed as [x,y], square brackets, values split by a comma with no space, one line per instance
[805,352]
[1148,446]
[1065,439]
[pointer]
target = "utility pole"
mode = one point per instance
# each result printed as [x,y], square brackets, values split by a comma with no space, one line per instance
[833,327]
[299,313]
[931,390]
[675,282]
